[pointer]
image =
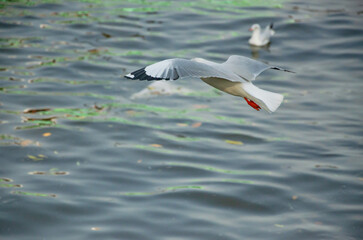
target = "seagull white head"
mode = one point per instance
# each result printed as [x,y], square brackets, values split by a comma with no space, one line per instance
[254,27]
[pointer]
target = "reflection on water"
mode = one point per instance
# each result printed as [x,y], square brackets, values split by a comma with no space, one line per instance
[79,152]
[255,50]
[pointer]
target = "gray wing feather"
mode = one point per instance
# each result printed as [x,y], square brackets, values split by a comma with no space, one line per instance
[172,69]
[236,68]
[247,68]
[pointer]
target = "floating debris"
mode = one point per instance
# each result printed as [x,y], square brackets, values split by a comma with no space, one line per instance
[40,157]
[5,180]
[36,110]
[47,134]
[34,194]
[234,142]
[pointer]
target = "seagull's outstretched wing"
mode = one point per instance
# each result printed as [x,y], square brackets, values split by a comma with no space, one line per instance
[247,68]
[172,69]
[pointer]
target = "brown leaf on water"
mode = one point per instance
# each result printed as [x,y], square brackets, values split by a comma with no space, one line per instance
[106,35]
[25,142]
[156,145]
[47,134]
[94,50]
[97,107]
[49,119]
[48,173]
[60,173]
[5,179]
[294,197]
[37,173]
[95,228]
[196,125]
[200,106]
[139,161]
[36,110]
[44,26]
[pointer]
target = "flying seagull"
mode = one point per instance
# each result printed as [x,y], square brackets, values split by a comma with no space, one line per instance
[259,38]
[234,76]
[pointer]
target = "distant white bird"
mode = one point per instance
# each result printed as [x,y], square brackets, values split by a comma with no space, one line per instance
[259,38]
[234,76]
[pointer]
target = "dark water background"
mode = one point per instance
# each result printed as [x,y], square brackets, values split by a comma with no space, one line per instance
[80,159]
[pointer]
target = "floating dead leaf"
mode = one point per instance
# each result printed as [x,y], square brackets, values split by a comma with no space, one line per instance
[97,107]
[106,35]
[94,50]
[16,79]
[2,69]
[200,106]
[47,134]
[60,173]
[196,125]
[44,26]
[49,119]
[139,161]
[5,180]
[36,110]
[34,194]
[25,142]
[37,173]
[234,142]
[95,229]
[11,185]
[182,124]
[156,145]
[50,172]
[294,197]
[40,157]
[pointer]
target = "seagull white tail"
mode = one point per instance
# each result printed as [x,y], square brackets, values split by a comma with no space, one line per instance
[269,101]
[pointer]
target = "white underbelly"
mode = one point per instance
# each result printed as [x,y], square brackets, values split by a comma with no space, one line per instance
[233,88]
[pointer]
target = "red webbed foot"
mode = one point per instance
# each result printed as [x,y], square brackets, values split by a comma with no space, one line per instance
[253,104]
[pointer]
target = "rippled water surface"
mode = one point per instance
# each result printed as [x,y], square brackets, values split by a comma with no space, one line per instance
[82,158]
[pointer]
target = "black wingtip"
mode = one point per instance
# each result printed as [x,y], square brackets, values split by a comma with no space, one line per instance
[281,69]
[271,25]
[142,75]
